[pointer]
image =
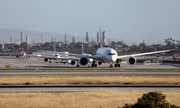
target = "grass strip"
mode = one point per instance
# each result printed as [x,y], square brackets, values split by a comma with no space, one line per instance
[98,99]
[89,80]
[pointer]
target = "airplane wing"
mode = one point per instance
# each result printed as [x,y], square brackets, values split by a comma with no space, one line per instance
[148,53]
[62,58]
[82,55]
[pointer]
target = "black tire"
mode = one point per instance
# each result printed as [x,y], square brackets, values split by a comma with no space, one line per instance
[95,65]
[115,65]
[119,65]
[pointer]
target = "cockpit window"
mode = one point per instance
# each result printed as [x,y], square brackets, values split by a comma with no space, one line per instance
[111,54]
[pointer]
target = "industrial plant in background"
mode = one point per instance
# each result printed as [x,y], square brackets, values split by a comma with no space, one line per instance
[89,45]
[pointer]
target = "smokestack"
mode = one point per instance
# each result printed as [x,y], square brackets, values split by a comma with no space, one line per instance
[11,40]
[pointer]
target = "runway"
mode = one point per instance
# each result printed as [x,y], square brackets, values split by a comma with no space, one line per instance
[11,74]
[87,88]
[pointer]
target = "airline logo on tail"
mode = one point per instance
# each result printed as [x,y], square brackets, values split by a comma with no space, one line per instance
[175,58]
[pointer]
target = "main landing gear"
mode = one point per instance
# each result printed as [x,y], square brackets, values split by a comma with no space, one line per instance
[77,64]
[94,64]
[117,63]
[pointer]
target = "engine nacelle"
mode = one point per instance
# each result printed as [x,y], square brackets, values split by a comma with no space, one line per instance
[99,62]
[73,62]
[131,61]
[84,61]
[45,59]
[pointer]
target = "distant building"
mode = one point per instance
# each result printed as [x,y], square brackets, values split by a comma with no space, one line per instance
[52,39]
[27,39]
[73,39]
[60,44]
[42,39]
[104,37]
[2,46]
[97,37]
[109,42]
[34,45]
[11,40]
[91,44]
[87,37]
[21,37]
[66,39]
[34,41]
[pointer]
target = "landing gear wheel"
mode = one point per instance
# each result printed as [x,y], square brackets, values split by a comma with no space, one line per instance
[119,65]
[77,65]
[111,66]
[92,65]
[49,61]
[95,65]
[115,65]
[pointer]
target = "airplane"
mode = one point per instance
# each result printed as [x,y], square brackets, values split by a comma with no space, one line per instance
[175,58]
[107,55]
[56,56]
[22,54]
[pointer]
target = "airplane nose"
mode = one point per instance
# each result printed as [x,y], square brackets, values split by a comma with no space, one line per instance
[112,58]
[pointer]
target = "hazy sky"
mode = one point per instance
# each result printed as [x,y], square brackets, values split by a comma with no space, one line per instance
[130,20]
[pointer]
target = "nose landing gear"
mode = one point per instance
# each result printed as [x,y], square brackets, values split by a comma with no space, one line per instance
[111,66]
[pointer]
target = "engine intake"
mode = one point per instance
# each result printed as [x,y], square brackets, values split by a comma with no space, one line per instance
[45,59]
[131,61]
[84,61]
[72,62]
[99,62]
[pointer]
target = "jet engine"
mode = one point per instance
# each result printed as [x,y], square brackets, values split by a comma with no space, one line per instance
[45,59]
[99,62]
[131,61]
[72,62]
[84,61]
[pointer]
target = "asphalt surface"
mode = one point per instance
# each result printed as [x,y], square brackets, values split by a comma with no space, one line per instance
[34,62]
[11,74]
[87,88]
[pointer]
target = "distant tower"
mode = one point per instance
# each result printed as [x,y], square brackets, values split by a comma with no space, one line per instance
[87,38]
[66,39]
[97,37]
[52,39]
[109,42]
[42,40]
[21,37]
[2,46]
[27,39]
[34,41]
[104,37]
[11,40]
[73,39]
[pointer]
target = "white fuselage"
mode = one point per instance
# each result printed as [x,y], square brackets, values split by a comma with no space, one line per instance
[56,55]
[108,54]
[23,53]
